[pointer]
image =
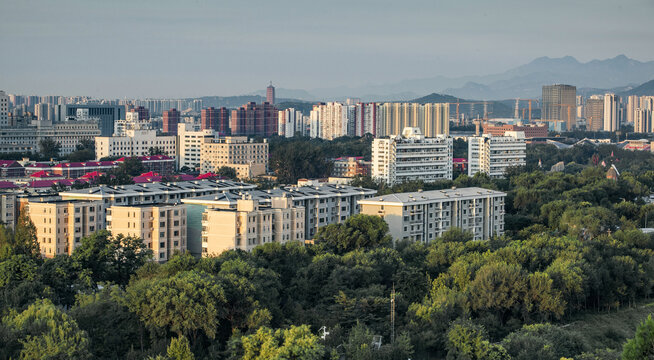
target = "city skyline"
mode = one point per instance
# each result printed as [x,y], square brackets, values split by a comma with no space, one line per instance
[171,49]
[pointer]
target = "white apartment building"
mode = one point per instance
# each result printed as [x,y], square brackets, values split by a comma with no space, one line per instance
[412,157]
[161,226]
[424,216]
[68,134]
[131,122]
[642,120]
[291,121]
[494,154]
[189,145]
[611,112]
[134,143]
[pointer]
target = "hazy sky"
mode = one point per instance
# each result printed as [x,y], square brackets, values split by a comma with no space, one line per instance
[164,48]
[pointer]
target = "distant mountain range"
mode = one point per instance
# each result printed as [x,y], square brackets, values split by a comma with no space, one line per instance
[619,74]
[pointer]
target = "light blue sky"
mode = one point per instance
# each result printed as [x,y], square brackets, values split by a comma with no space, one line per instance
[164,48]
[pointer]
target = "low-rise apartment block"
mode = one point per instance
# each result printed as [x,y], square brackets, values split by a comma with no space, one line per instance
[494,154]
[249,159]
[412,157]
[425,215]
[60,225]
[189,144]
[136,142]
[161,226]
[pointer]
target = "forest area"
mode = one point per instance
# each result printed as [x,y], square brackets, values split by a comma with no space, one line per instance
[573,251]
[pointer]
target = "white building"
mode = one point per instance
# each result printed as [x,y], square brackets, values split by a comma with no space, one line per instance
[68,134]
[611,112]
[4,109]
[189,145]
[131,122]
[424,216]
[134,143]
[642,120]
[412,157]
[291,121]
[493,154]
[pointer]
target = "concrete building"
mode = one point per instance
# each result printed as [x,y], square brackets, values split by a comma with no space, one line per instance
[425,215]
[595,113]
[334,119]
[412,156]
[350,166]
[254,119]
[494,154]
[189,145]
[8,209]
[107,114]
[248,158]
[134,143]
[215,119]
[290,122]
[4,109]
[432,119]
[560,106]
[643,120]
[612,119]
[366,119]
[243,221]
[60,225]
[132,121]
[161,226]
[27,139]
[530,130]
[270,94]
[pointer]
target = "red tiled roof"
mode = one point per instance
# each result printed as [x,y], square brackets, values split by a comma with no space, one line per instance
[49,183]
[8,185]
[91,175]
[39,165]
[206,176]
[150,173]
[147,179]
[42,174]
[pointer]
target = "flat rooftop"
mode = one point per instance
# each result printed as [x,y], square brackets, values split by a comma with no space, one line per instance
[157,188]
[431,196]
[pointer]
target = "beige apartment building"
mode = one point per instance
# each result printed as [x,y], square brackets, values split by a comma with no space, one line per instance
[249,159]
[161,226]
[60,225]
[136,142]
[233,221]
[424,216]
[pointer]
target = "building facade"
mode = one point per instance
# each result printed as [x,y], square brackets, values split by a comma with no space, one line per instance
[215,119]
[68,134]
[349,167]
[162,227]
[106,114]
[249,159]
[531,131]
[134,143]
[254,119]
[594,113]
[412,156]
[4,110]
[642,120]
[189,145]
[494,154]
[170,120]
[560,106]
[424,216]
[612,119]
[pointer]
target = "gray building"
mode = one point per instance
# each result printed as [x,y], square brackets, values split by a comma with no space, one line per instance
[107,114]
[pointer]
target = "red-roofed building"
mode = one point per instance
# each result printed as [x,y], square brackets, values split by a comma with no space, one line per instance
[78,169]
[164,165]
[11,168]
[460,164]
[530,130]
[36,167]
[7,185]
[43,175]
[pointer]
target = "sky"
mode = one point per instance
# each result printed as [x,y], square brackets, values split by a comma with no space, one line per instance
[164,48]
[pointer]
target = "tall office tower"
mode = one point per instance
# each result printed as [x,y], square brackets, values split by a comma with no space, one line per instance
[494,154]
[411,157]
[633,103]
[254,119]
[611,112]
[4,109]
[144,114]
[642,120]
[594,112]
[170,121]
[215,119]
[366,119]
[270,94]
[560,105]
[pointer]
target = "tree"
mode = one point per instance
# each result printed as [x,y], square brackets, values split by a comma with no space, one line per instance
[296,342]
[179,349]
[49,148]
[45,332]
[152,151]
[295,160]
[227,171]
[642,345]
[358,232]
[132,166]
[23,240]
[542,341]
[467,341]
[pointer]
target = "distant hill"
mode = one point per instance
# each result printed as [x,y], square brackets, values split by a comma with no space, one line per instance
[641,90]
[497,109]
[437,98]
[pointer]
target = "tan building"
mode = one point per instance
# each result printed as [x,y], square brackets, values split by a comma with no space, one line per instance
[136,142]
[233,221]
[161,226]
[424,216]
[249,159]
[60,225]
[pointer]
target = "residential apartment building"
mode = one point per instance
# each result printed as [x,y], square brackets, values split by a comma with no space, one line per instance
[612,119]
[134,143]
[494,154]
[8,209]
[560,106]
[242,221]
[61,224]
[170,120]
[425,215]
[349,167]
[290,122]
[412,156]
[531,131]
[215,119]
[594,113]
[254,119]
[642,120]
[27,139]
[161,226]
[189,145]
[4,109]
[248,158]
[433,119]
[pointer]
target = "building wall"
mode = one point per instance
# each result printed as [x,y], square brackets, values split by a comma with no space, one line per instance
[248,159]
[642,120]
[560,103]
[8,209]
[161,227]
[4,109]
[595,114]
[135,143]
[189,145]
[494,154]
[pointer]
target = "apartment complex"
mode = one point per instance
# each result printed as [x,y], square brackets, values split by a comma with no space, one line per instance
[134,143]
[642,120]
[560,106]
[243,221]
[433,119]
[61,224]
[531,131]
[494,154]
[349,167]
[412,156]
[254,119]
[594,112]
[425,215]
[215,119]
[189,145]
[8,209]
[170,120]
[248,158]
[612,118]
[161,226]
